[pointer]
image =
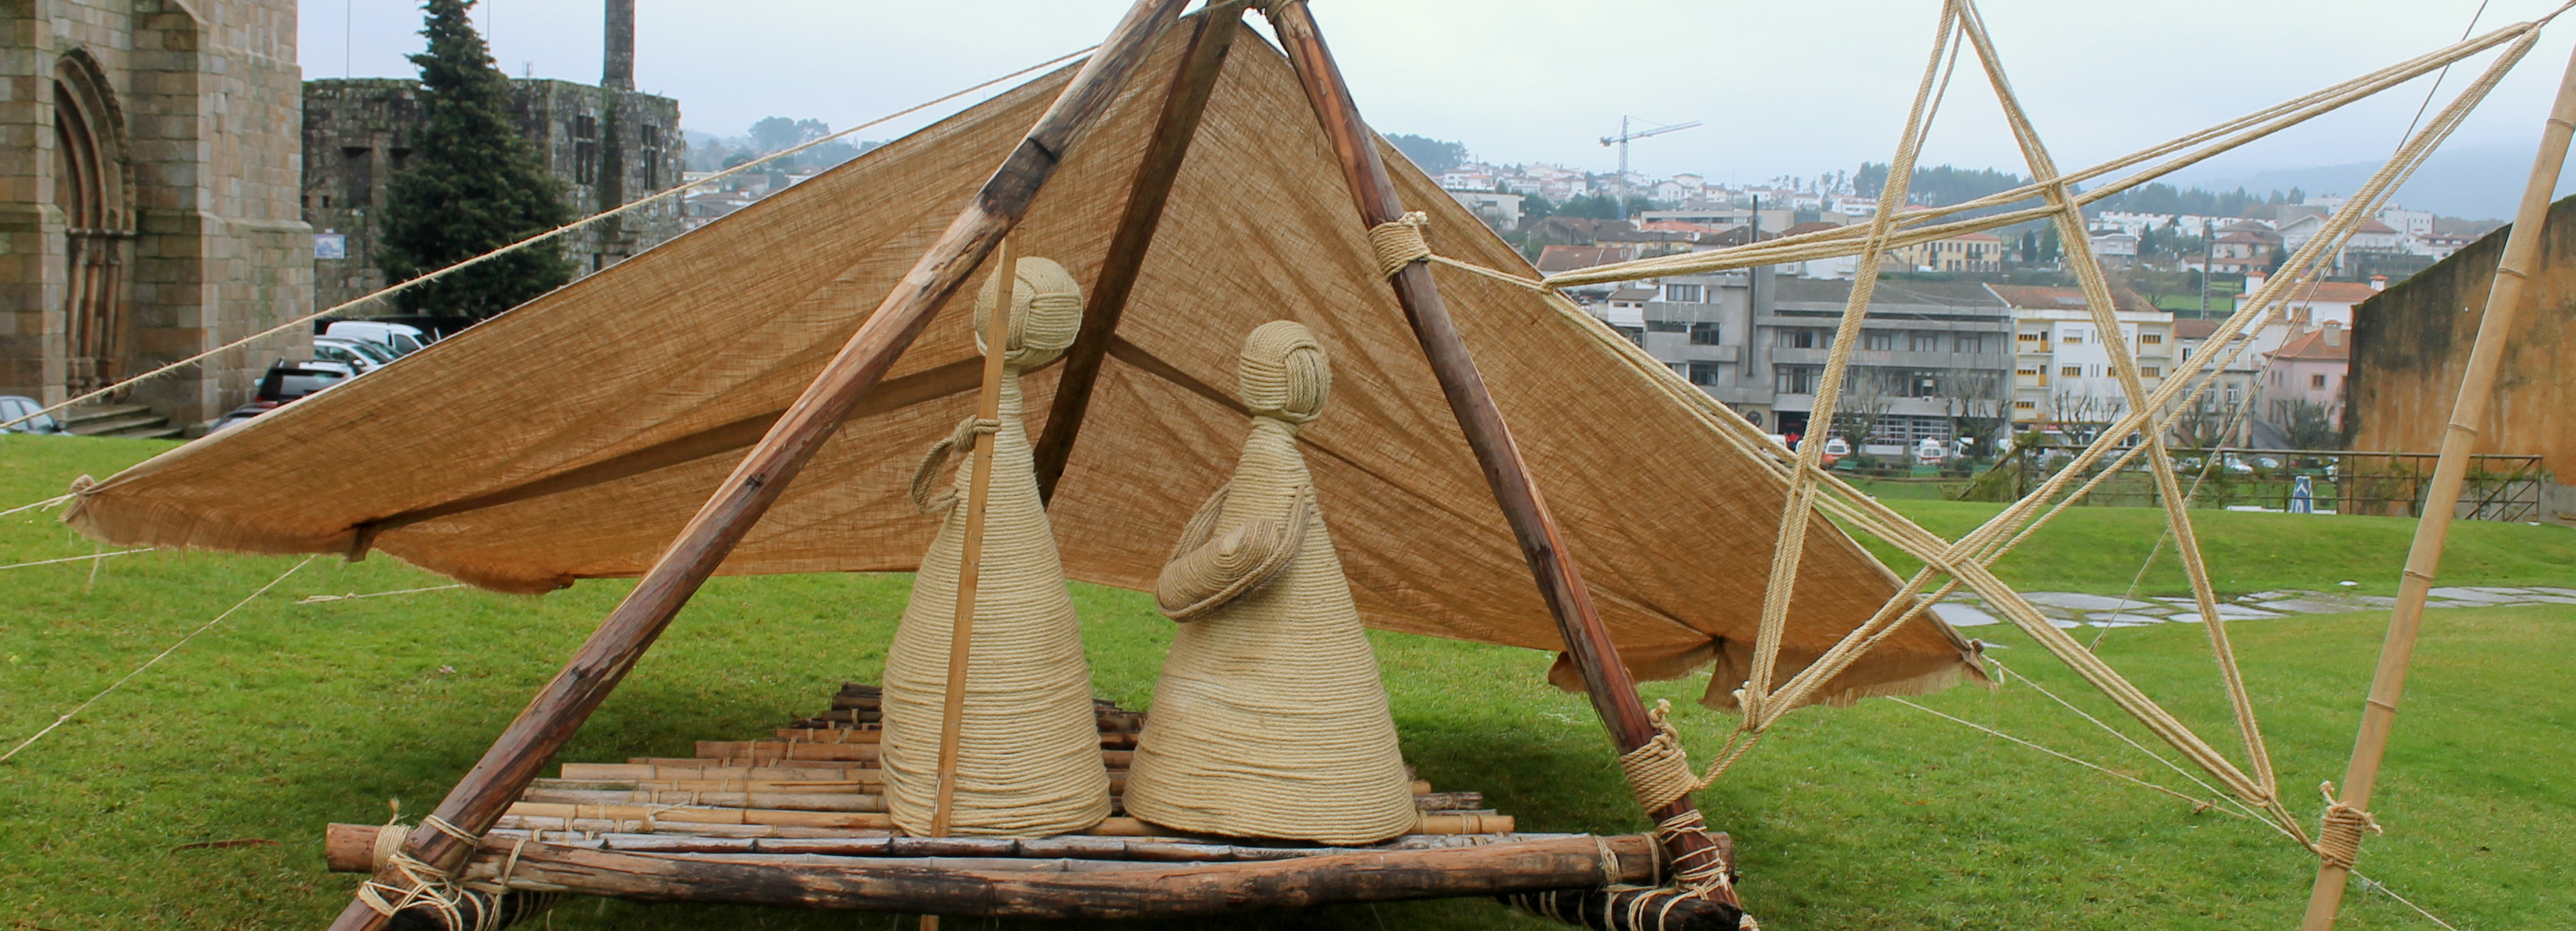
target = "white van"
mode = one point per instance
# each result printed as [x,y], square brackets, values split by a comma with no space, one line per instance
[403,339]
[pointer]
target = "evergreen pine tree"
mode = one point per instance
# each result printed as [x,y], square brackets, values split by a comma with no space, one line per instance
[473,185]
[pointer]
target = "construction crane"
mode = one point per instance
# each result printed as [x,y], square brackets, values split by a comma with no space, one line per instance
[1621,140]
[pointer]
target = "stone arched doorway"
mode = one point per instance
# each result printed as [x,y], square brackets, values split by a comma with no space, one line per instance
[93,191]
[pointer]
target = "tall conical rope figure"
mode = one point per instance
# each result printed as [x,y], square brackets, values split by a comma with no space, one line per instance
[1028,759]
[1269,720]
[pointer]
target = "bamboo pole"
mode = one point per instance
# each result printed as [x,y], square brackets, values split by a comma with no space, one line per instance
[970,563]
[559,709]
[2441,501]
[1612,688]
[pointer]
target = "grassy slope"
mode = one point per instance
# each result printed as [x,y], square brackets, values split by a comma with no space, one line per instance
[288,716]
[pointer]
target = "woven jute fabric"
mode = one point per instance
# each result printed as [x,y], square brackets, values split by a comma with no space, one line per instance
[573,437]
[1028,753]
[1269,720]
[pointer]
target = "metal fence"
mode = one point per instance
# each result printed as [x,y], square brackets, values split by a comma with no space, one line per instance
[2500,486]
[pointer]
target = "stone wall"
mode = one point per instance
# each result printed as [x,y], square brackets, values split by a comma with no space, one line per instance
[2410,346]
[194,107]
[608,147]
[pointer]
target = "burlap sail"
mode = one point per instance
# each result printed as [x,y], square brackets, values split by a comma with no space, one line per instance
[1269,720]
[624,399]
[1028,759]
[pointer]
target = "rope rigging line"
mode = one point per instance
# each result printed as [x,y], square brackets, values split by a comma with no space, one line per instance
[320,599]
[157,657]
[33,505]
[2199,805]
[90,557]
[672,192]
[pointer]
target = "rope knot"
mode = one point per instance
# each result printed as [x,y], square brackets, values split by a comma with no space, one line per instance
[422,884]
[2339,840]
[925,477]
[1399,242]
[1659,770]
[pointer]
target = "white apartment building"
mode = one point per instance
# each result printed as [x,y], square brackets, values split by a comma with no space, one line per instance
[2062,372]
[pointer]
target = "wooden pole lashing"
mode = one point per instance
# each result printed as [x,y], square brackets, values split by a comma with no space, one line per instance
[559,709]
[2442,499]
[1612,688]
[970,563]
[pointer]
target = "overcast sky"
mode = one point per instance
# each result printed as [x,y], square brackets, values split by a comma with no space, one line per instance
[1783,88]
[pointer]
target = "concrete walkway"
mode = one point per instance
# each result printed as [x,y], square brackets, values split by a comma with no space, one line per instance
[2075,609]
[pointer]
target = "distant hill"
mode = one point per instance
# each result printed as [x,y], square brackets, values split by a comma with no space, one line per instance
[2471,182]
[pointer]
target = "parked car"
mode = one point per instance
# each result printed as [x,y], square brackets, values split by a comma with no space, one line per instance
[359,354]
[1931,451]
[404,339]
[1835,449]
[13,406]
[287,381]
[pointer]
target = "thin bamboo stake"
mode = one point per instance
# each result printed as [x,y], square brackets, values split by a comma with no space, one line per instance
[2432,530]
[970,567]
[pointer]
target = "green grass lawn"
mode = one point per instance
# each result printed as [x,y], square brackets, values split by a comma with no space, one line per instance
[287,717]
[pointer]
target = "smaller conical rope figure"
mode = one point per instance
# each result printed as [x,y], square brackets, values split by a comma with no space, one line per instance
[1269,720]
[1028,757]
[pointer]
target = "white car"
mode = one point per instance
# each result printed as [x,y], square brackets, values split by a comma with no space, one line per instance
[403,339]
[360,355]
[1931,451]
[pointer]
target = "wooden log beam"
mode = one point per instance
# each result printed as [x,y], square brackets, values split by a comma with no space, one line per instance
[560,708]
[1587,642]
[678,816]
[985,888]
[1173,129]
[350,848]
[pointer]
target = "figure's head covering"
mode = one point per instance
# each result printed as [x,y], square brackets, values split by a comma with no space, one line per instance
[1285,374]
[1046,312]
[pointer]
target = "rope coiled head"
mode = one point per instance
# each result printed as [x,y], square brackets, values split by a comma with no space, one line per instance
[1046,312]
[1284,373]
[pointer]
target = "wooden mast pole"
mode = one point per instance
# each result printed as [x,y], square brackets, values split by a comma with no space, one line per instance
[1218,23]
[1612,688]
[559,709]
[970,560]
[2442,498]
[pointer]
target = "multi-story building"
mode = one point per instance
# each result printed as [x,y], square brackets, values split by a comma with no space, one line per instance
[2062,374]
[1966,252]
[2214,419]
[1932,363]
[2305,382]
[147,198]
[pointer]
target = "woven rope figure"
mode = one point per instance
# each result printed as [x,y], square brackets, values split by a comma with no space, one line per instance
[1028,759]
[1269,720]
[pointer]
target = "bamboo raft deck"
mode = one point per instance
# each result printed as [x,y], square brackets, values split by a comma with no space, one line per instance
[796,819]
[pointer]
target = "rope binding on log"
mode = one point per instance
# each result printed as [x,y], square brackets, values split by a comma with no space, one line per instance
[2339,840]
[1399,242]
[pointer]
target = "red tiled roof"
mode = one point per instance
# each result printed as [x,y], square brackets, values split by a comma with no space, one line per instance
[2333,292]
[2313,346]
[1555,259]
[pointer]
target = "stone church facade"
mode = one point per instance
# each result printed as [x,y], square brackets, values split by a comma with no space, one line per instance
[150,172]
